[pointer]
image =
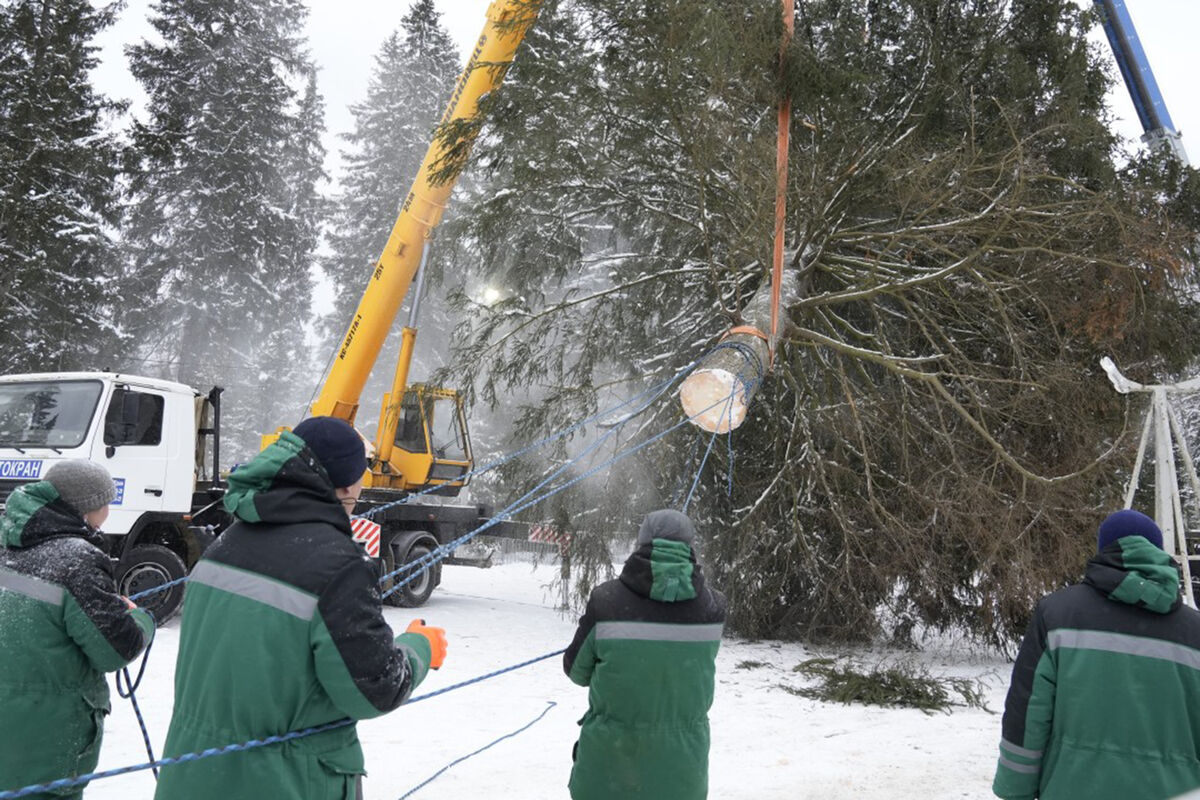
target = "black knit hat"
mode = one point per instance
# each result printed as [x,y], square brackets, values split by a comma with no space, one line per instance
[83,485]
[337,446]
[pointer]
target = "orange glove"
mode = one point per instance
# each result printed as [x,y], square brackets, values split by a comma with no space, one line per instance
[129,603]
[436,637]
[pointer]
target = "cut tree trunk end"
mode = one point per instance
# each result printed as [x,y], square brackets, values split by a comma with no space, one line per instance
[717,394]
[714,399]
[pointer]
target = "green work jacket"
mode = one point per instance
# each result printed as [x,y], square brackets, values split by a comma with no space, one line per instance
[646,648]
[62,626]
[1105,695]
[283,630]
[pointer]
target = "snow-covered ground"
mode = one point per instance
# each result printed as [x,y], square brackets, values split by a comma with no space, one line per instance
[767,744]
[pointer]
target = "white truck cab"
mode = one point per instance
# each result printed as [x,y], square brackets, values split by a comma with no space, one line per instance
[160,441]
[150,434]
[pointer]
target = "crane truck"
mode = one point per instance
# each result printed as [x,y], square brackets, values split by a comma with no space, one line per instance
[161,440]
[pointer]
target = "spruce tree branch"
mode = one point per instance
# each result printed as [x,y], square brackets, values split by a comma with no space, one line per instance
[558,308]
[895,365]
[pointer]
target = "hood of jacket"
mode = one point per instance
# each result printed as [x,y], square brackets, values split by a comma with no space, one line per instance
[285,484]
[1133,571]
[35,513]
[663,570]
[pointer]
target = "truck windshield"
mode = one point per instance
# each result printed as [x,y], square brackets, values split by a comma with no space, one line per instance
[445,429]
[47,413]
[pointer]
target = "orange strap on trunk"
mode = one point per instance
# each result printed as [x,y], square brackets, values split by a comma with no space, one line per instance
[750,330]
[781,176]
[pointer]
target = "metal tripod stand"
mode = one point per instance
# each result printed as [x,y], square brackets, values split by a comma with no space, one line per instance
[1169,444]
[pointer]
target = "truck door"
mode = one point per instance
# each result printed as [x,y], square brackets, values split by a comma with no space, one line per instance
[133,448]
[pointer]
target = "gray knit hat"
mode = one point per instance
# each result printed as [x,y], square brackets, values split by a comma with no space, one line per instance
[666,524]
[83,485]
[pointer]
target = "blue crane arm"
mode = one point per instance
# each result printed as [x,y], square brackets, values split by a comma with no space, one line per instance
[1139,77]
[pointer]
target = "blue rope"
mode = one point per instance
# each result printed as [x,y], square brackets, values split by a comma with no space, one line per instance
[677,495]
[657,391]
[441,551]
[427,560]
[729,443]
[696,482]
[729,446]
[161,587]
[549,705]
[699,472]
[64,783]
[129,693]
[485,677]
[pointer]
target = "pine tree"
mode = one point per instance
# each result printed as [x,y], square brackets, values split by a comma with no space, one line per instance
[935,442]
[414,74]
[226,218]
[59,203]
[292,374]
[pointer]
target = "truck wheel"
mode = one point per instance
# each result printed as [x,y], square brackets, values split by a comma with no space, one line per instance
[145,567]
[417,591]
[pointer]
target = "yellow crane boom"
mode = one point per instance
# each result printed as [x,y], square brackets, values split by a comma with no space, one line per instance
[507,23]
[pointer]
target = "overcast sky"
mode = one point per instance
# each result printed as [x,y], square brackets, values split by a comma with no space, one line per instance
[345,34]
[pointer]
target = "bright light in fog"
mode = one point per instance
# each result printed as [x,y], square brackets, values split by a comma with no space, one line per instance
[490,295]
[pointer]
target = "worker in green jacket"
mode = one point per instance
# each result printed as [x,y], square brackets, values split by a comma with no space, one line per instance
[283,630]
[646,649]
[62,626]
[1105,695]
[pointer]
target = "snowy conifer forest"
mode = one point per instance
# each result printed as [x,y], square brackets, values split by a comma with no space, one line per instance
[935,442]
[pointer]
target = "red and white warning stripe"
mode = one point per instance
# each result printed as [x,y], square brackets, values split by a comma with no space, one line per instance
[367,532]
[548,533]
